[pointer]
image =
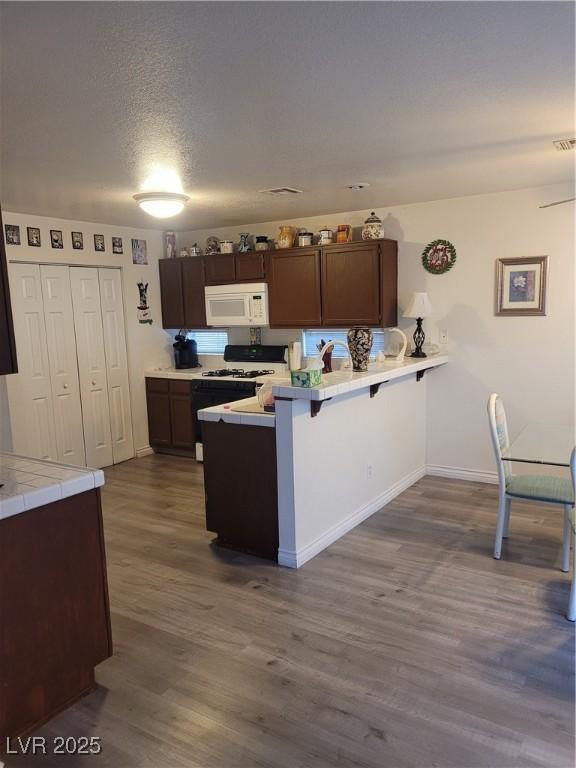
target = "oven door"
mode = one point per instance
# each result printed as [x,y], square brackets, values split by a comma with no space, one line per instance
[227,309]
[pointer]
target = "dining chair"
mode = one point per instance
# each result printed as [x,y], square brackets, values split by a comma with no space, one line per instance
[542,488]
[571,614]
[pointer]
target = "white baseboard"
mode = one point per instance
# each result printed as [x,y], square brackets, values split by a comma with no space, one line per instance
[292,559]
[146,451]
[459,473]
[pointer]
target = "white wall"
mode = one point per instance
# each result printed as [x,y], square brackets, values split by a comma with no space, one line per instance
[148,345]
[528,360]
[338,468]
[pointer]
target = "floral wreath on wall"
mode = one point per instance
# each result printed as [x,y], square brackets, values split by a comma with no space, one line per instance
[439,256]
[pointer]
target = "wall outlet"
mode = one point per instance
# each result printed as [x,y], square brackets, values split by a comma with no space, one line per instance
[369,471]
[443,337]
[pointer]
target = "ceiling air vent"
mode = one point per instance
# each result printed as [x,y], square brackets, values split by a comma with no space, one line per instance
[281,191]
[564,144]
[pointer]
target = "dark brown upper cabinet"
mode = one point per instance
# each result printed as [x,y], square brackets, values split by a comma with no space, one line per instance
[351,284]
[193,282]
[250,267]
[8,363]
[220,268]
[294,296]
[334,286]
[223,268]
[182,292]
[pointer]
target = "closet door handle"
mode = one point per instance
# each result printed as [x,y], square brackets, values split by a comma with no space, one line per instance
[64,386]
[93,383]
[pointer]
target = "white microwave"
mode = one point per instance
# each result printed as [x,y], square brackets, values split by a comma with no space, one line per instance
[237,304]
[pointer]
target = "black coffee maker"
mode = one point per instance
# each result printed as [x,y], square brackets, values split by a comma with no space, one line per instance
[185,352]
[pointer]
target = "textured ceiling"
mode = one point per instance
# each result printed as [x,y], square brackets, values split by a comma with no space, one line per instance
[421,100]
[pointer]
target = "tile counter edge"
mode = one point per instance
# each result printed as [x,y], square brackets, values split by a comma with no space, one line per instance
[353,382]
[30,483]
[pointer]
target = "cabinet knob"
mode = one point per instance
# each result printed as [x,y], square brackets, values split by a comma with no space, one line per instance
[64,386]
[93,383]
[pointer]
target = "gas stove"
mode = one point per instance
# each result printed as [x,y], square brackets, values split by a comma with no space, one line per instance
[237,373]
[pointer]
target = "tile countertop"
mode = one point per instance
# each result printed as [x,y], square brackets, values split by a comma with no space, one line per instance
[223,413]
[340,382]
[28,483]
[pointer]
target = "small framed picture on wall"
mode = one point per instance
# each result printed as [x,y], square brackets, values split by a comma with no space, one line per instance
[33,236]
[77,241]
[117,245]
[56,239]
[521,286]
[12,234]
[99,243]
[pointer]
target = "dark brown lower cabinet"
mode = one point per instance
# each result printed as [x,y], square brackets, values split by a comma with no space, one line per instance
[240,483]
[55,616]
[171,419]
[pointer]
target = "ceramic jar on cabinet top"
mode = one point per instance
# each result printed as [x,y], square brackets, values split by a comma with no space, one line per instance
[373,228]
[360,339]
[285,237]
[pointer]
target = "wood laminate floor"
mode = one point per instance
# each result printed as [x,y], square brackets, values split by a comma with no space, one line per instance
[403,645]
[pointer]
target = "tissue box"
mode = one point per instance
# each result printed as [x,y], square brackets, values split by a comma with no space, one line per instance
[312,378]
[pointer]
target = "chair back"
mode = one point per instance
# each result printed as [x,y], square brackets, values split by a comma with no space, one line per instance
[499,434]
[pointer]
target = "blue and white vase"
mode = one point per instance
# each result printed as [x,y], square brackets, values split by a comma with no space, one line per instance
[360,339]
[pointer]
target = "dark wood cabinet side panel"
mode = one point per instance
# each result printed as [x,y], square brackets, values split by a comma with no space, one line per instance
[389,283]
[294,288]
[220,268]
[250,267]
[171,294]
[182,421]
[351,285]
[243,508]
[8,360]
[193,282]
[54,607]
[159,428]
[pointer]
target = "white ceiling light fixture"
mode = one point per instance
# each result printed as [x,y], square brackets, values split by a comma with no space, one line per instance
[161,205]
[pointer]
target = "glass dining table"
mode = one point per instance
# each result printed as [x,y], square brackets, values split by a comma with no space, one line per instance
[543,444]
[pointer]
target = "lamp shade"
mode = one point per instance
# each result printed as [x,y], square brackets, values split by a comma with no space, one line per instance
[419,305]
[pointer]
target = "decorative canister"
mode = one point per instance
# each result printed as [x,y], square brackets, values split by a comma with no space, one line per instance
[373,228]
[261,243]
[360,340]
[170,244]
[194,250]
[184,252]
[226,246]
[305,238]
[285,237]
[212,245]
[325,236]
[344,233]
[244,246]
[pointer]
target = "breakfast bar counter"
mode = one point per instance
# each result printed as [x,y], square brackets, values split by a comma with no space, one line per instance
[54,610]
[339,452]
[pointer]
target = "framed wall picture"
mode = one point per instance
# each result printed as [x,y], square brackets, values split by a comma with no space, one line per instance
[33,236]
[77,241]
[56,239]
[139,255]
[99,243]
[12,234]
[521,286]
[117,245]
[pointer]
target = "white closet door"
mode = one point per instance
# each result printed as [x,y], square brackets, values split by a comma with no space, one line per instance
[59,320]
[116,363]
[30,391]
[91,366]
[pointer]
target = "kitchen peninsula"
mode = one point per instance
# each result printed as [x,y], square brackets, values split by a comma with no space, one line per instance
[55,617]
[327,459]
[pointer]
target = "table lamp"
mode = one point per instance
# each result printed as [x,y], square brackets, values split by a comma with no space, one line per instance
[419,308]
